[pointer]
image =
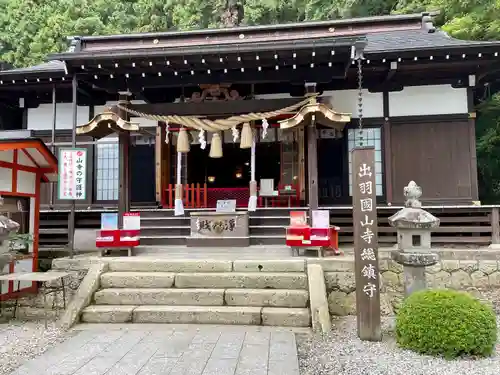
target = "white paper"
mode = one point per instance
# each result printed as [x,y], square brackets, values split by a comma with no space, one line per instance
[179,208]
[321,219]
[72,174]
[252,203]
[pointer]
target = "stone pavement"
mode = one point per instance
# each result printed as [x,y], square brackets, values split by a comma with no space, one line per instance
[169,350]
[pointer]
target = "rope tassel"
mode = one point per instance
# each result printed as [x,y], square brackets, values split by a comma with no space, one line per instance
[246,136]
[216,146]
[195,122]
[183,141]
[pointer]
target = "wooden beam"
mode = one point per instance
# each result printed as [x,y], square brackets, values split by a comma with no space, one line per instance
[215,108]
[168,78]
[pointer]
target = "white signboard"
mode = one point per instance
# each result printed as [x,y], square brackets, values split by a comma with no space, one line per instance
[321,219]
[226,205]
[72,173]
[132,221]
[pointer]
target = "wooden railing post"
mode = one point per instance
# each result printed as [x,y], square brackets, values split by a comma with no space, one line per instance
[495,227]
[205,195]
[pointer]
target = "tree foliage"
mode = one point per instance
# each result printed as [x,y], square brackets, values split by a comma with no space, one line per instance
[31,29]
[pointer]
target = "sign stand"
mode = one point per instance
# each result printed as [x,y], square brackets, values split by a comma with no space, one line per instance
[71,182]
[364,211]
[320,236]
[110,236]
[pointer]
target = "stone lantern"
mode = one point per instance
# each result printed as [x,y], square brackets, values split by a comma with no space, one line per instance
[414,226]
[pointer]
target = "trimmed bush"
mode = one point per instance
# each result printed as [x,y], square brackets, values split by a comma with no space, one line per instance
[446,323]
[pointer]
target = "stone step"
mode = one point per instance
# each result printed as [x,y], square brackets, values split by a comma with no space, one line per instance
[164,230]
[202,297]
[246,280]
[210,280]
[271,239]
[169,265]
[283,221]
[267,229]
[290,317]
[156,240]
[198,315]
[160,296]
[266,297]
[137,280]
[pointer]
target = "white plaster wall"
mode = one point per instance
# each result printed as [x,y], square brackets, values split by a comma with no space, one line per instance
[26,182]
[141,121]
[24,160]
[345,101]
[40,118]
[428,100]
[7,155]
[5,179]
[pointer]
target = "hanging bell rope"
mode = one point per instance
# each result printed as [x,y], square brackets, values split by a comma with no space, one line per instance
[183,141]
[215,146]
[246,136]
[195,122]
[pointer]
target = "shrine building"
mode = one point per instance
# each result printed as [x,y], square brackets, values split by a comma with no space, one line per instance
[270,112]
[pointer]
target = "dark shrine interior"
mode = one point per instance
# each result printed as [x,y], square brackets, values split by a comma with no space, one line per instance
[233,169]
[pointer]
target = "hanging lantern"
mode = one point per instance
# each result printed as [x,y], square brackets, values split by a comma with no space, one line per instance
[246,136]
[216,146]
[183,141]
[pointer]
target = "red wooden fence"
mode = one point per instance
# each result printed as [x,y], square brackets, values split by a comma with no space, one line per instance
[200,196]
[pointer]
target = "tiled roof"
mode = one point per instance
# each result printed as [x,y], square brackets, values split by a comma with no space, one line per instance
[415,39]
[50,66]
[391,41]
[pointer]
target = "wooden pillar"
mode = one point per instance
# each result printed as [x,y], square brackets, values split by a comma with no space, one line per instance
[312,165]
[364,212]
[160,162]
[252,202]
[472,141]
[386,130]
[124,163]
[53,140]
[71,220]
[495,226]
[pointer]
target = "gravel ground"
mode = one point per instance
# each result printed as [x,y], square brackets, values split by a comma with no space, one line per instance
[342,353]
[20,341]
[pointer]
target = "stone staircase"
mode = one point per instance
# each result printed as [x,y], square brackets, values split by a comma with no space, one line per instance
[246,292]
[160,227]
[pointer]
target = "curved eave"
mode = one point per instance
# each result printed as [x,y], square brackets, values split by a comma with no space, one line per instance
[324,116]
[105,124]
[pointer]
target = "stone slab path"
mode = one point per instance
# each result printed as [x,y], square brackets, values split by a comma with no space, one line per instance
[169,350]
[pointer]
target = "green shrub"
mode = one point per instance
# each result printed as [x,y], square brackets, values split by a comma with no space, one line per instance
[446,323]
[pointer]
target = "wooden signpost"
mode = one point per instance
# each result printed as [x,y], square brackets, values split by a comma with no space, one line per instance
[366,243]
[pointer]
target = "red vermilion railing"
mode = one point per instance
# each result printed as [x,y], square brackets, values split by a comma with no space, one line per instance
[194,196]
[200,196]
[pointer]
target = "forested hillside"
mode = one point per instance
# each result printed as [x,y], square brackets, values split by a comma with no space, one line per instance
[31,29]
